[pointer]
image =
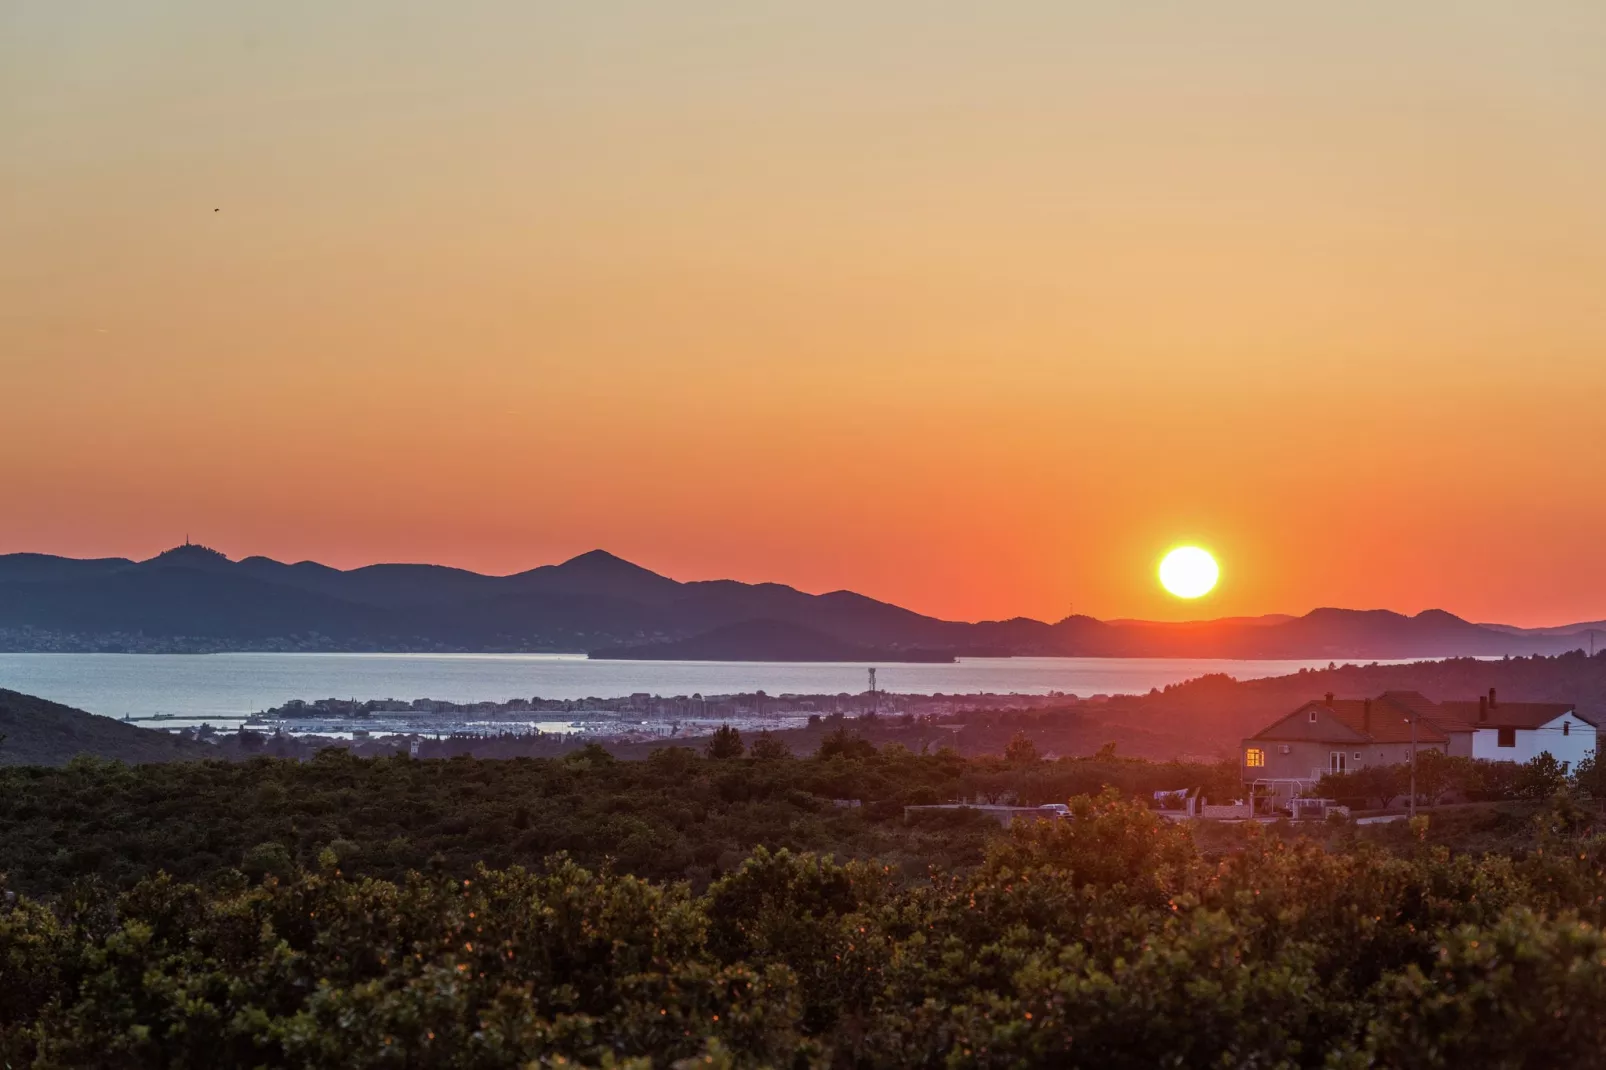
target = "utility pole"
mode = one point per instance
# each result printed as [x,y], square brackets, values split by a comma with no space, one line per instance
[1413,766]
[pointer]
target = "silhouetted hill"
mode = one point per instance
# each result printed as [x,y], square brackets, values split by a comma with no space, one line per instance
[599,573]
[194,598]
[1210,715]
[1583,627]
[766,640]
[1329,633]
[45,568]
[38,732]
[178,600]
[391,586]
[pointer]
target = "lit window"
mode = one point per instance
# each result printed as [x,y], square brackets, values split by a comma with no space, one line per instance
[1254,757]
[1507,737]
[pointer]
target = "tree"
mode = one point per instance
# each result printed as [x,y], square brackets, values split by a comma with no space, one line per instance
[845,744]
[593,754]
[1021,750]
[766,748]
[726,742]
[1542,777]
[1589,774]
[268,859]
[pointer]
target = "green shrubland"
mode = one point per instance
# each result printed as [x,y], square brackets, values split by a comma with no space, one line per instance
[678,815]
[1115,938]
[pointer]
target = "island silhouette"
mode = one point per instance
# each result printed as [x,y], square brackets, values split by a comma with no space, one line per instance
[194,598]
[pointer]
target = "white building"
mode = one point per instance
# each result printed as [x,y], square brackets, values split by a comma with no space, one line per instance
[1516,731]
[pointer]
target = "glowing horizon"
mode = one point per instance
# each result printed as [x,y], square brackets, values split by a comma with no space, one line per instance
[974,314]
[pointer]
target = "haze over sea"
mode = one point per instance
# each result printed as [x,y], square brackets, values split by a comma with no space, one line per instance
[216,685]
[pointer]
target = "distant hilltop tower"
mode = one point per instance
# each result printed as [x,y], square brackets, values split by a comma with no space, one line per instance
[875,706]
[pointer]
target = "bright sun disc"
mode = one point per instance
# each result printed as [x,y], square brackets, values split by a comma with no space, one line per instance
[1188,572]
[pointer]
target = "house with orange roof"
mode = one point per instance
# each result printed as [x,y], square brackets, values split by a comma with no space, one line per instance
[1335,735]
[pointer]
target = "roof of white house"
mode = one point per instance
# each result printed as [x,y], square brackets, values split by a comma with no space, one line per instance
[1469,715]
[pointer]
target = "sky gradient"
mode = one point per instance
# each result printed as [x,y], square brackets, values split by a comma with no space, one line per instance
[973,307]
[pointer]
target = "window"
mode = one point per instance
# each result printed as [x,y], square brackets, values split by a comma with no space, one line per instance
[1338,762]
[1255,758]
[1507,737]
[1566,728]
[1357,756]
[1313,715]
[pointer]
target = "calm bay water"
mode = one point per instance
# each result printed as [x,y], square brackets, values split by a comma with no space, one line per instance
[212,685]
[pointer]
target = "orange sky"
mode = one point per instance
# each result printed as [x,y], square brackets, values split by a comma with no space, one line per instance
[978,312]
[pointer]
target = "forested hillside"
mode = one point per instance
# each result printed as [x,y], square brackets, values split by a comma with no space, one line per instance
[34,731]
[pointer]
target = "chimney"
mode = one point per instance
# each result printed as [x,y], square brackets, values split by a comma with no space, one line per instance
[1483,707]
[1329,700]
[1366,717]
[1492,702]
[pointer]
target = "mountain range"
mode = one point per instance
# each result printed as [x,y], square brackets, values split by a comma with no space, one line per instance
[192,598]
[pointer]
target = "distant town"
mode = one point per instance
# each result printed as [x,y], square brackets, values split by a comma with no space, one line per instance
[637,718]
[29,640]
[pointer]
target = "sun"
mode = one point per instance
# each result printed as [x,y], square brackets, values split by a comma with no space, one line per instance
[1188,572]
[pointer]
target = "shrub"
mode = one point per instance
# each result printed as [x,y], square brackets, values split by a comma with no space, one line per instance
[267,859]
[726,742]
[767,748]
[844,744]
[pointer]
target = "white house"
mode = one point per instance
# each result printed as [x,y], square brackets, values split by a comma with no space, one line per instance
[1516,731]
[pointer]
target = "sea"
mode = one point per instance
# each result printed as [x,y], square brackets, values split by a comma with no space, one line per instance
[191,688]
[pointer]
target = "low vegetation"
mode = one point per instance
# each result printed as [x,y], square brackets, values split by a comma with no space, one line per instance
[1441,778]
[1107,940]
[744,907]
[676,816]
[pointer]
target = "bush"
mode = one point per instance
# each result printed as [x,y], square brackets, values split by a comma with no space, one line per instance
[726,742]
[1021,750]
[267,860]
[767,748]
[844,744]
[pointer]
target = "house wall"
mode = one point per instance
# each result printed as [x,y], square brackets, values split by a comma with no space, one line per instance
[1530,743]
[1311,759]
